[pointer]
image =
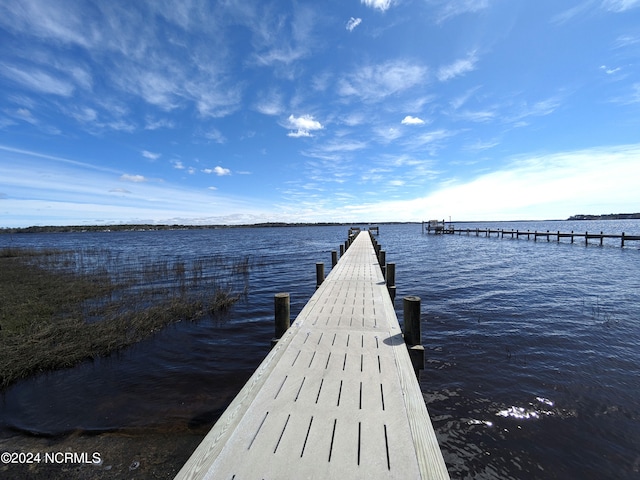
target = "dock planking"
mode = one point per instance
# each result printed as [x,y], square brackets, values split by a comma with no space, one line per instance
[337,397]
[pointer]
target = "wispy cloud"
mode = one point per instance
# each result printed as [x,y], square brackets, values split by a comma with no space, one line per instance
[215,135]
[133,178]
[573,12]
[620,5]
[376,82]
[447,9]
[536,109]
[150,155]
[353,23]
[270,103]
[381,5]
[478,116]
[458,68]
[609,70]
[38,80]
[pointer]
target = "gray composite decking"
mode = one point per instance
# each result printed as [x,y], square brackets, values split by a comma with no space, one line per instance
[337,397]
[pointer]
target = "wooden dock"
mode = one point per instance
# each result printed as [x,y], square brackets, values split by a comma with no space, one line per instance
[548,235]
[336,398]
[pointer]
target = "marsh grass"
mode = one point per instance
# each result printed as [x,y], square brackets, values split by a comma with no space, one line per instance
[58,308]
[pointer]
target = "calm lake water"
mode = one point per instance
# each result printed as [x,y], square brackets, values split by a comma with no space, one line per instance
[532,348]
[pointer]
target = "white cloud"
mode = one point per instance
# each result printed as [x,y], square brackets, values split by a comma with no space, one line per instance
[381,5]
[220,171]
[375,82]
[409,120]
[303,125]
[592,180]
[150,155]
[457,68]
[353,23]
[133,178]
[177,164]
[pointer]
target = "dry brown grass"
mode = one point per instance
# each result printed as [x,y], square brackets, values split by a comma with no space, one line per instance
[57,308]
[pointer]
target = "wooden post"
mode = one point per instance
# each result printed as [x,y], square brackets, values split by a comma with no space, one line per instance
[282,311]
[558,236]
[571,236]
[601,238]
[586,238]
[547,235]
[334,258]
[382,261]
[341,250]
[622,240]
[391,280]
[319,274]
[412,334]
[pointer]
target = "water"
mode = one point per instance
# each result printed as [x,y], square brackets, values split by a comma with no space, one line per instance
[531,347]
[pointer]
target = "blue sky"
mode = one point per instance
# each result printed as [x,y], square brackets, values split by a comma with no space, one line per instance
[237,111]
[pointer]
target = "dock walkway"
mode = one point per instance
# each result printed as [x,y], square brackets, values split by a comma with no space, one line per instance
[337,396]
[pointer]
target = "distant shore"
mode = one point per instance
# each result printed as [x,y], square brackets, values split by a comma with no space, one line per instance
[131,227]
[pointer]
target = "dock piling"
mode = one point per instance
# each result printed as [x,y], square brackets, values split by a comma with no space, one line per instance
[334,258]
[412,333]
[319,274]
[282,312]
[391,280]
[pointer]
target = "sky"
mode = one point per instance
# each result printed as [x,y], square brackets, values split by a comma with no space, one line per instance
[236,111]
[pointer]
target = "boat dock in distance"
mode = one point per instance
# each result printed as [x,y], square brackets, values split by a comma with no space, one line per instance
[441,227]
[337,397]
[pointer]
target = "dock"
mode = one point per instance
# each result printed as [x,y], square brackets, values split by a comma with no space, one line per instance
[337,396]
[548,235]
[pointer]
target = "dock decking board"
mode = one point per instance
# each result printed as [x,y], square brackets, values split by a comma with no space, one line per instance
[337,397]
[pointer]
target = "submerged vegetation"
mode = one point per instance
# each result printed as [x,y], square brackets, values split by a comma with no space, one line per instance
[58,307]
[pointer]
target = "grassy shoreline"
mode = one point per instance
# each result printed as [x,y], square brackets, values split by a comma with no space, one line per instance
[58,308]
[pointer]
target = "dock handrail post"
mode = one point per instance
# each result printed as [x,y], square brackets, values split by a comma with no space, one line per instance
[319,274]
[334,258]
[341,250]
[412,333]
[382,261]
[282,312]
[391,280]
